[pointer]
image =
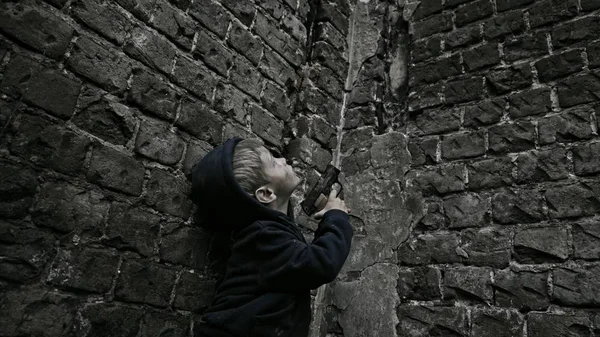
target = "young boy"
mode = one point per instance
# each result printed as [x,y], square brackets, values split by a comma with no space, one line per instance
[240,186]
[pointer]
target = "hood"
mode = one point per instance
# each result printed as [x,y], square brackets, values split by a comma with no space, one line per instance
[222,203]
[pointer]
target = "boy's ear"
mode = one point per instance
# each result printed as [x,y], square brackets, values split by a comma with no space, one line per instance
[265,194]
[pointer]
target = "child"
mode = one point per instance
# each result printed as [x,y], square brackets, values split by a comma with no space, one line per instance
[240,186]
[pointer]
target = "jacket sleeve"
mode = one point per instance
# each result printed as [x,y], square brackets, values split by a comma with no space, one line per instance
[291,265]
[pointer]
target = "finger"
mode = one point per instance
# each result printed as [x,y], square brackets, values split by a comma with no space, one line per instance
[318,215]
[332,194]
[321,202]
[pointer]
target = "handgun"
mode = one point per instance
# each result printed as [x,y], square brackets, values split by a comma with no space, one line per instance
[321,186]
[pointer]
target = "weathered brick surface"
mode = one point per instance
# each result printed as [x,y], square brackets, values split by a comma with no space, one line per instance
[212,15]
[475,10]
[429,248]
[489,246]
[434,24]
[517,206]
[428,48]
[184,245]
[433,71]
[464,90]
[522,290]
[168,194]
[507,23]
[132,227]
[468,283]
[157,323]
[559,65]
[497,322]
[422,283]
[538,166]
[483,56]
[18,191]
[549,11]
[115,170]
[490,173]
[145,282]
[484,113]
[530,102]
[151,49]
[104,18]
[467,210]
[525,46]
[460,37]
[541,244]
[573,200]
[175,25]
[441,180]
[197,119]
[38,28]
[586,239]
[427,321]
[570,125]
[153,95]
[463,145]
[574,32]
[112,319]
[579,89]
[214,53]
[554,325]
[193,292]
[195,77]
[514,137]
[157,141]
[503,5]
[577,286]
[437,121]
[512,78]
[586,159]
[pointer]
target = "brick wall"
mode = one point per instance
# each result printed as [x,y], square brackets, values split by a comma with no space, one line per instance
[467,131]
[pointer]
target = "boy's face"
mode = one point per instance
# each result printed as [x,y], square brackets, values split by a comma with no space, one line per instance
[281,176]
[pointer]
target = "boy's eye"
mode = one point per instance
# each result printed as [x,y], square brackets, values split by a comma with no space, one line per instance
[275,153]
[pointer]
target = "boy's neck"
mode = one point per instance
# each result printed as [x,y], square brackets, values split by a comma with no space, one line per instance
[280,205]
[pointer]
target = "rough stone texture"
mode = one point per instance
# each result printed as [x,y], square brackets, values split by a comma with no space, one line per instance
[525,46]
[39,140]
[573,200]
[65,208]
[436,121]
[442,180]
[461,37]
[184,245]
[193,292]
[156,323]
[489,246]
[473,11]
[429,248]
[112,169]
[195,77]
[579,89]
[145,282]
[586,159]
[432,321]
[100,319]
[540,244]
[523,290]
[132,227]
[549,11]
[104,18]
[554,325]
[559,65]
[422,283]
[540,166]
[86,268]
[586,237]
[468,283]
[497,322]
[490,173]
[467,210]
[18,191]
[530,102]
[517,206]
[463,145]
[507,23]
[214,53]
[197,119]
[153,95]
[151,49]
[484,113]
[512,137]
[482,56]
[157,141]
[570,125]
[169,194]
[512,78]
[175,25]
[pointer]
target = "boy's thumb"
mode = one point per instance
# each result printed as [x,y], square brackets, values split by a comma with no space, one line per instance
[319,214]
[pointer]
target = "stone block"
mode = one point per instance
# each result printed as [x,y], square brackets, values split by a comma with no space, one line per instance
[277,69]
[429,248]
[37,311]
[589,5]
[43,87]
[593,54]
[276,101]
[543,165]
[434,217]
[232,102]
[515,137]
[25,251]
[186,246]
[309,152]
[488,246]
[111,319]
[426,8]
[570,125]
[423,151]
[112,169]
[197,119]
[426,49]
[490,173]
[454,3]
[357,162]
[523,290]
[161,323]
[153,95]
[280,41]
[550,11]
[325,79]
[275,9]
[214,53]
[504,24]
[471,284]
[145,282]
[150,48]
[103,18]
[193,292]
[421,283]
[169,194]
[326,55]
[245,43]
[575,32]
[335,11]
[541,244]
[525,46]
[89,269]
[132,227]
[263,124]
[36,27]
[243,10]
[425,97]
[441,180]
[504,5]
[530,102]
[104,117]
[416,321]
[559,65]
[314,101]
[462,37]
[100,64]
[211,15]
[195,151]
[434,121]
[473,11]
[480,57]
[174,24]
[463,145]
[484,112]
[467,210]
[293,26]
[49,145]
[464,90]
[509,79]
[573,200]
[66,208]
[585,159]
[195,77]
[579,89]
[19,185]
[517,206]
[577,286]
[586,239]
[157,141]
[542,324]
[497,323]
[434,71]
[142,9]
[357,139]
[434,24]
[244,76]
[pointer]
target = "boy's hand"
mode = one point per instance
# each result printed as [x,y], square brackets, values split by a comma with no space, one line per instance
[333,202]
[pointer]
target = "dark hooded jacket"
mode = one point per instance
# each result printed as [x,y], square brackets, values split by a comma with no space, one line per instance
[271,270]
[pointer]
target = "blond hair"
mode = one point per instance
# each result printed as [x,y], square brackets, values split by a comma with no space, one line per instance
[248,166]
